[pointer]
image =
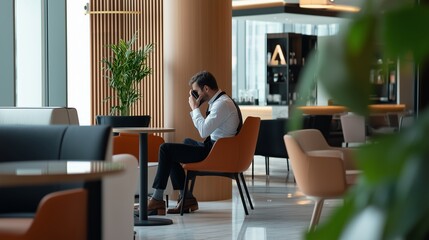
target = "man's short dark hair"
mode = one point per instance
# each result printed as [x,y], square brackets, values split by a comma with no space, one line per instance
[204,78]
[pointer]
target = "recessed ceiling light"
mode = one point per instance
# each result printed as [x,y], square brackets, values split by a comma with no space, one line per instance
[247,4]
[327,4]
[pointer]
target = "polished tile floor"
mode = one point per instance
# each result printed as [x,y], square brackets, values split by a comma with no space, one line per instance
[281,211]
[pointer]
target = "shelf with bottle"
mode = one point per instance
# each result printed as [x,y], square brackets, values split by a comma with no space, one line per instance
[286,53]
[296,61]
[383,78]
[276,76]
[278,66]
[277,93]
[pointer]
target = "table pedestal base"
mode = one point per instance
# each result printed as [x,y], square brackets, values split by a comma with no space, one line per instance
[151,221]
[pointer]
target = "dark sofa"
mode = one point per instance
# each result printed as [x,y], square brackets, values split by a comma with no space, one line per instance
[52,142]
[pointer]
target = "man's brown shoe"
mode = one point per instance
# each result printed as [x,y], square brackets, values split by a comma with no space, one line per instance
[191,205]
[155,207]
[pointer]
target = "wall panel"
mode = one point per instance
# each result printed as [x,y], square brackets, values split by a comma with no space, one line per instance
[197,37]
[107,29]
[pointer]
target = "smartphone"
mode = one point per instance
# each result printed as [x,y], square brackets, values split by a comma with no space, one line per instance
[195,95]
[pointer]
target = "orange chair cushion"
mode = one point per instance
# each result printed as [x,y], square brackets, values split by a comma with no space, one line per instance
[129,143]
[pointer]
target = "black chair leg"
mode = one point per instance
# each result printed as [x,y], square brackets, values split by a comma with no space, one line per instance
[287,161]
[267,166]
[241,193]
[191,190]
[247,190]
[253,168]
[185,191]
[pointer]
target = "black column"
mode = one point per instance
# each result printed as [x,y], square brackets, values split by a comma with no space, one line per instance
[422,79]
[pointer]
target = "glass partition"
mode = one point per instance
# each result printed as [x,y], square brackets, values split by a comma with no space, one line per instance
[28,48]
[249,54]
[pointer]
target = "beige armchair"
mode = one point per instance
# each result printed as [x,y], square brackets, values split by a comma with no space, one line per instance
[313,140]
[354,129]
[320,170]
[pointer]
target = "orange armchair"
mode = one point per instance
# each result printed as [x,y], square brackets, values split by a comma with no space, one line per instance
[229,157]
[60,215]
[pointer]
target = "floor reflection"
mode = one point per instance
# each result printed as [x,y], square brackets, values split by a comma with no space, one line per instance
[281,211]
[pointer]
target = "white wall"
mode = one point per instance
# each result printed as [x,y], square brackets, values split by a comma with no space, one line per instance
[78,60]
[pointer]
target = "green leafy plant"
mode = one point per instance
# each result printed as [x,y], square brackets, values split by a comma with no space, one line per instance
[127,68]
[391,196]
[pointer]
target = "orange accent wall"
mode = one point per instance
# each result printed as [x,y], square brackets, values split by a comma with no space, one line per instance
[197,37]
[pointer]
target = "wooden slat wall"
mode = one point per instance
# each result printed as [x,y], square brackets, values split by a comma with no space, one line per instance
[109,28]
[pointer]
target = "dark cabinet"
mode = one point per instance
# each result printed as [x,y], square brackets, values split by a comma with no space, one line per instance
[286,55]
[384,80]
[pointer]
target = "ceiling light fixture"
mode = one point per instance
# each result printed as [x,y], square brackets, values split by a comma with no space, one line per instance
[88,11]
[113,12]
[327,4]
[248,4]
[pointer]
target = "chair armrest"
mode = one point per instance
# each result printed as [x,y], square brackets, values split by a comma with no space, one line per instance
[352,176]
[326,176]
[325,153]
[222,158]
[349,157]
[118,199]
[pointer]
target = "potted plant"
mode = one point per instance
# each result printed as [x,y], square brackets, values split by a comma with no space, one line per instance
[126,68]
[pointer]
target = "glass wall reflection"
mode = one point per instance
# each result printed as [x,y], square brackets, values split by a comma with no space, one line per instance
[28,48]
[249,48]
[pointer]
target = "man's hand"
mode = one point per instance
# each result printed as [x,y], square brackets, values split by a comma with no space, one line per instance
[194,103]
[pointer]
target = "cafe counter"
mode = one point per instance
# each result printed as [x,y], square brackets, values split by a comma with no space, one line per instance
[332,110]
[273,112]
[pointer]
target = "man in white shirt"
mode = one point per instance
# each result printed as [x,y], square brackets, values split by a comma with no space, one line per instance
[223,119]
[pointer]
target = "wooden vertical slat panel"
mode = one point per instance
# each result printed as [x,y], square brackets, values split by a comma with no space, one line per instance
[108,29]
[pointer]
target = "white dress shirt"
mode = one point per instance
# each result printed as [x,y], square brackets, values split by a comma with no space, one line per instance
[222,121]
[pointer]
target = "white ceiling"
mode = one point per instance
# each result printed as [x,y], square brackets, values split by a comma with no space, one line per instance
[294,18]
